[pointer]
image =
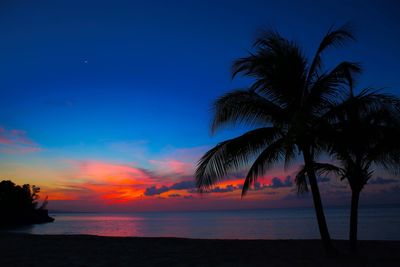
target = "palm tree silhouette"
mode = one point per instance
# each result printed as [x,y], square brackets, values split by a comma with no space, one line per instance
[365,134]
[286,104]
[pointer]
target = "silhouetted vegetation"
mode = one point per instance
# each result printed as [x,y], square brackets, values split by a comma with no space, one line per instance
[364,133]
[297,108]
[19,204]
[289,99]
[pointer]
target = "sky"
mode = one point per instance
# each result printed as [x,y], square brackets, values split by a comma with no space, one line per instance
[106,105]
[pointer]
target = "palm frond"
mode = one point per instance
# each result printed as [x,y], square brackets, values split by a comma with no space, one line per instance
[278,66]
[368,101]
[329,88]
[301,181]
[269,43]
[244,106]
[271,155]
[232,155]
[320,169]
[333,38]
[344,73]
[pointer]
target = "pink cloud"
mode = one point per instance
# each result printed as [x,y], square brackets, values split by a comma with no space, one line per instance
[110,172]
[172,166]
[16,142]
[113,182]
[153,180]
[101,181]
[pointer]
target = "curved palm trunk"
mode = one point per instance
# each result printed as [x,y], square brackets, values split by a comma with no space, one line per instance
[323,227]
[355,196]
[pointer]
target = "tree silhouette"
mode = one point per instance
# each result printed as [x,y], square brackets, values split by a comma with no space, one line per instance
[364,133]
[18,204]
[287,104]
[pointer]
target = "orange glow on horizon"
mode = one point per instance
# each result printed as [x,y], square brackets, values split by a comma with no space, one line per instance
[102,183]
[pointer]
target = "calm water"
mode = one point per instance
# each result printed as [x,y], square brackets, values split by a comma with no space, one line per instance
[374,223]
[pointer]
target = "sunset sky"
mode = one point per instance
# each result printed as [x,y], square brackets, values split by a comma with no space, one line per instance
[106,105]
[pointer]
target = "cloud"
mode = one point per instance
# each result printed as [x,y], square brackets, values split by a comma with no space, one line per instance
[380,181]
[106,181]
[183,185]
[151,191]
[113,181]
[189,186]
[256,186]
[176,161]
[109,172]
[276,182]
[16,142]
[228,188]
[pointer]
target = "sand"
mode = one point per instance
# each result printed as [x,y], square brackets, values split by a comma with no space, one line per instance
[80,250]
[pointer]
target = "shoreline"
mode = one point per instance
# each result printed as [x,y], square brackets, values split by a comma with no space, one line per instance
[88,250]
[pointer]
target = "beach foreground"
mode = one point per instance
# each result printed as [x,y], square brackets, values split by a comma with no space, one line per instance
[82,250]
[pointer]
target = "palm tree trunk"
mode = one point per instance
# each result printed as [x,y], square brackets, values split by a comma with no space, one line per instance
[323,227]
[355,196]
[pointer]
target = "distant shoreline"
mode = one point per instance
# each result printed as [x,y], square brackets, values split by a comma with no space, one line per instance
[86,250]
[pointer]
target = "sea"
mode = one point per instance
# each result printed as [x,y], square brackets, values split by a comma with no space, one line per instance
[375,223]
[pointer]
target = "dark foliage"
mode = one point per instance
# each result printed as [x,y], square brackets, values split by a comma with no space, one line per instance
[18,204]
[363,134]
[289,103]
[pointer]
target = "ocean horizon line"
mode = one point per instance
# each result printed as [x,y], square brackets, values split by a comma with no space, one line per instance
[364,206]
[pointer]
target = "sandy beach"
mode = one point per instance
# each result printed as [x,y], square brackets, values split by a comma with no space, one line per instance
[80,250]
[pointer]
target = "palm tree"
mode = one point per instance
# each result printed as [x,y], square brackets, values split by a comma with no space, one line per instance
[286,104]
[365,134]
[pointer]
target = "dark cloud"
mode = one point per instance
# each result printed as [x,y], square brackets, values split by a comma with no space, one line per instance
[228,188]
[276,182]
[152,191]
[258,186]
[183,185]
[380,180]
[189,186]
[218,189]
